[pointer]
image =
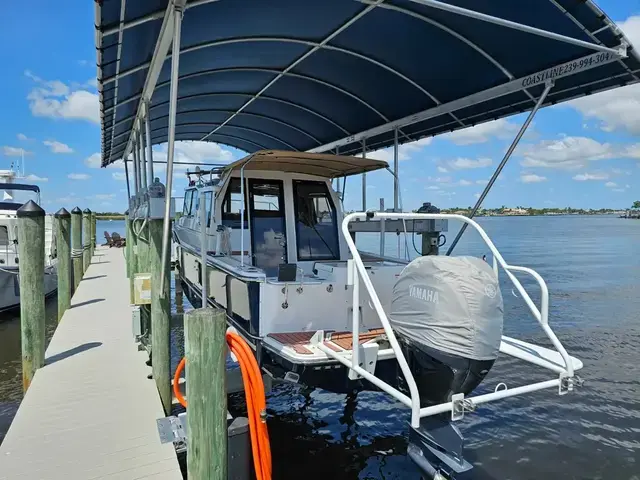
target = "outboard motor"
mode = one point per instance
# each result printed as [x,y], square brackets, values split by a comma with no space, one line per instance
[447,313]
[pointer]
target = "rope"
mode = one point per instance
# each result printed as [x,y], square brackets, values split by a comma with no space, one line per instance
[76,252]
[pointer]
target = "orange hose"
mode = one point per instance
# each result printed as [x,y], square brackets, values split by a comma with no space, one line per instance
[255,398]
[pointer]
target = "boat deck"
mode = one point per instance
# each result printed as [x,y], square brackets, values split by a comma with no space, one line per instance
[90,412]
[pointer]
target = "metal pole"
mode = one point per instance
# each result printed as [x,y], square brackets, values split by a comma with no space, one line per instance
[143,161]
[203,249]
[86,239]
[509,24]
[364,178]
[514,144]
[126,176]
[136,175]
[173,103]
[76,246]
[395,170]
[147,141]
[31,278]
[382,228]
[63,246]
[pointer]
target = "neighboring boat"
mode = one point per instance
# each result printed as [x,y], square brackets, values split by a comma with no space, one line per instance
[14,195]
[281,260]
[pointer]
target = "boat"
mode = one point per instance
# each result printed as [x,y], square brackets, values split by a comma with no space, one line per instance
[14,195]
[279,255]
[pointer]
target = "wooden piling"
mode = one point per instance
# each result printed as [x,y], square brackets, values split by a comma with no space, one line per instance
[63,246]
[160,315]
[32,315]
[86,239]
[76,246]
[206,351]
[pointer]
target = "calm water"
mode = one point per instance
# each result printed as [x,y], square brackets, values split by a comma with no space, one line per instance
[592,267]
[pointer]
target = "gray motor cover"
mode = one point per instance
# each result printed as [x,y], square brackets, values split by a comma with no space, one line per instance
[451,304]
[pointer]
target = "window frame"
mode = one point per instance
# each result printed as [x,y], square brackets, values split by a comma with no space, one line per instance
[336,256]
[188,200]
[229,219]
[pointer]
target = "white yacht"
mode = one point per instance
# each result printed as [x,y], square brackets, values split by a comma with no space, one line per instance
[14,195]
[280,257]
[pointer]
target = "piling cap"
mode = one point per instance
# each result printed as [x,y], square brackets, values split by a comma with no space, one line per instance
[62,213]
[87,211]
[76,211]
[30,209]
[126,212]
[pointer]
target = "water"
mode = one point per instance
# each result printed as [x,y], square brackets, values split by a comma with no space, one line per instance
[592,267]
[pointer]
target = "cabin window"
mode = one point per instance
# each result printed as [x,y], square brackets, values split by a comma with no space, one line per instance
[232,205]
[188,199]
[207,201]
[316,222]
[4,236]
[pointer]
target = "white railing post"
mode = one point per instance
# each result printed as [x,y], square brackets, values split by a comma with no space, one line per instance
[355,322]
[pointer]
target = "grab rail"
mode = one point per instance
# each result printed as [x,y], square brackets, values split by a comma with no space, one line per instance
[357,270]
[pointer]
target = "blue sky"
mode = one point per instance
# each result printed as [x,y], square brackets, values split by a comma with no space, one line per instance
[583,154]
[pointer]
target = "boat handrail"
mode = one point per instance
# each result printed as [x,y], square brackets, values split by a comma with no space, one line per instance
[357,270]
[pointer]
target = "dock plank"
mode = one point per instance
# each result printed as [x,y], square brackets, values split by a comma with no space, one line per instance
[91,412]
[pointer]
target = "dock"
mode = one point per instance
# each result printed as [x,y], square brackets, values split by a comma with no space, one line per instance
[90,412]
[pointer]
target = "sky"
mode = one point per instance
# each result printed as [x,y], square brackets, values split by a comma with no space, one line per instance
[584,153]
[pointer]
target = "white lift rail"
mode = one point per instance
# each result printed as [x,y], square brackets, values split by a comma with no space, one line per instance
[557,361]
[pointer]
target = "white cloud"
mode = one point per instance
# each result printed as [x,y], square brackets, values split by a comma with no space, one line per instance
[476,195]
[481,133]
[58,147]
[35,178]
[482,182]
[432,187]
[14,151]
[465,183]
[467,163]
[532,178]
[565,153]
[404,151]
[23,138]
[79,176]
[617,109]
[55,99]
[585,177]
[611,184]
[103,196]
[120,176]
[442,170]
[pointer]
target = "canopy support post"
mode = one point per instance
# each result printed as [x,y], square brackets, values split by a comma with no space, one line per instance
[364,178]
[173,104]
[136,175]
[395,170]
[143,161]
[548,86]
[147,135]
[126,176]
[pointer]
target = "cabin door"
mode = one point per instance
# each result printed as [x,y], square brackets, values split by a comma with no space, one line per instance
[268,237]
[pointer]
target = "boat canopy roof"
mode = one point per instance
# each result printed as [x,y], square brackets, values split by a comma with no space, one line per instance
[318,164]
[337,74]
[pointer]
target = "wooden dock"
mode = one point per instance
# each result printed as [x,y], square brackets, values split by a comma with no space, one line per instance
[91,412]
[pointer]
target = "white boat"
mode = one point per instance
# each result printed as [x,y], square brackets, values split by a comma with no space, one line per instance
[281,259]
[14,195]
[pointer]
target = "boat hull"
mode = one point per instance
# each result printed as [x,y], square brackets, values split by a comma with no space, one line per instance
[10,286]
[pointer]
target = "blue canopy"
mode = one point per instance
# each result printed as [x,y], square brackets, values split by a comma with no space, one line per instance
[321,75]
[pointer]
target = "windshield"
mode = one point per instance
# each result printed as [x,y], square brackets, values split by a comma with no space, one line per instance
[10,195]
